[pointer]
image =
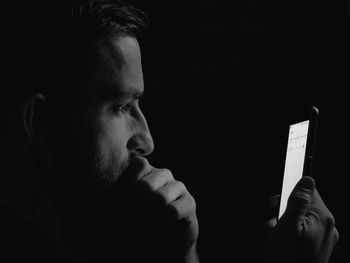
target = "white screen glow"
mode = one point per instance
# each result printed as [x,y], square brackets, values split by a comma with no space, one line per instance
[293,169]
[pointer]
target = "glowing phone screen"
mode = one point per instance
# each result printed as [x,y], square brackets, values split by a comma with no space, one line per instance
[294,164]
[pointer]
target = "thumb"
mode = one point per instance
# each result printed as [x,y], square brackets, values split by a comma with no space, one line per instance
[300,199]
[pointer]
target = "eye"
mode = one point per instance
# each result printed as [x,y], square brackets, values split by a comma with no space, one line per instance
[122,108]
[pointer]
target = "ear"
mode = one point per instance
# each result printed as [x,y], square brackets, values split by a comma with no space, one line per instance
[33,117]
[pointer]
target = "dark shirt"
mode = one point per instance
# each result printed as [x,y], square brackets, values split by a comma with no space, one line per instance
[23,238]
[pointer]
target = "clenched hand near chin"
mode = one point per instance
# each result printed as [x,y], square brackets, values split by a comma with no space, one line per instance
[161,213]
[306,231]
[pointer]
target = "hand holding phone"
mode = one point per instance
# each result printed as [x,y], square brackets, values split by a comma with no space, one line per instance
[299,157]
[306,232]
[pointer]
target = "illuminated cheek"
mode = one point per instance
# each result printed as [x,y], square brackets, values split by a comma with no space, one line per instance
[112,142]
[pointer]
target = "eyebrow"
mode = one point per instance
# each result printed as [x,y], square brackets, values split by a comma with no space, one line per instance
[109,93]
[133,93]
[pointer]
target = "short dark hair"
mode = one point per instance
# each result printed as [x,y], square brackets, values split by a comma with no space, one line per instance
[88,22]
[92,20]
[97,17]
[58,41]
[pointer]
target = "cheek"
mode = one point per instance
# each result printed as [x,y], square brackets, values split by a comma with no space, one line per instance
[112,141]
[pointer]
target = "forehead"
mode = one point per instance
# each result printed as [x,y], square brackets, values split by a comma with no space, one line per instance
[118,69]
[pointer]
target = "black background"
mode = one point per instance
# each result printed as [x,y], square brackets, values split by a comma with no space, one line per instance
[223,81]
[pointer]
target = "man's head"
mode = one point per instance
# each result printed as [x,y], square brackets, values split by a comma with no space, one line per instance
[108,84]
[119,126]
[85,120]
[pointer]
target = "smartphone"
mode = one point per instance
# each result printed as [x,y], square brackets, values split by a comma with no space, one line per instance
[300,154]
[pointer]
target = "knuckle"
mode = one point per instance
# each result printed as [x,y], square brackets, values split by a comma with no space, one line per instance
[167,173]
[192,201]
[149,182]
[180,184]
[330,221]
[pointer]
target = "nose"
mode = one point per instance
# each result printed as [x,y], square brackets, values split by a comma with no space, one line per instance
[141,141]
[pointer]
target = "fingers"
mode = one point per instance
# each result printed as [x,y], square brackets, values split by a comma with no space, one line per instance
[270,224]
[318,210]
[142,173]
[300,199]
[162,197]
[138,168]
[307,228]
[319,215]
[274,205]
[171,192]
[159,209]
[319,227]
[170,203]
[156,179]
[180,209]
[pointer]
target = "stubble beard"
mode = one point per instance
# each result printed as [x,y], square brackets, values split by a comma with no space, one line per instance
[108,171]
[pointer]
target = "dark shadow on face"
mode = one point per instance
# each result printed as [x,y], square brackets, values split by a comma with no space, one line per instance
[95,140]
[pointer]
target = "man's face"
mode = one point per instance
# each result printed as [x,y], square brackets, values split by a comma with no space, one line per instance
[120,127]
[114,127]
